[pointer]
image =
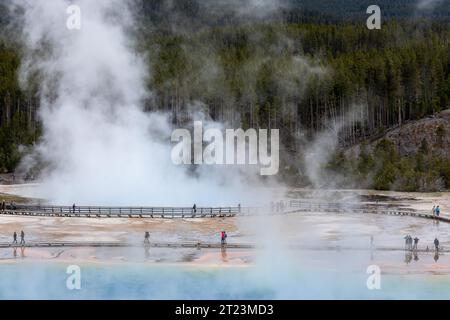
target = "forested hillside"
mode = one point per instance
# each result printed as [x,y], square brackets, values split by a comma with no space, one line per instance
[297,76]
[301,68]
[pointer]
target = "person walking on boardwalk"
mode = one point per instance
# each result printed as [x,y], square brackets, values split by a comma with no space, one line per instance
[438,211]
[15,237]
[147,237]
[194,208]
[3,205]
[436,244]
[22,237]
[73,207]
[239,208]
[223,237]
[433,211]
[416,242]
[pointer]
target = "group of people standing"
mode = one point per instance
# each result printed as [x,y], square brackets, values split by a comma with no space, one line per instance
[409,242]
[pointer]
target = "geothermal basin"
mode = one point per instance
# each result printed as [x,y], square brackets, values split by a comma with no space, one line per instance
[295,256]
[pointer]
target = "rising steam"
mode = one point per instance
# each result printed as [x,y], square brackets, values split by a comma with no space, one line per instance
[428,4]
[98,145]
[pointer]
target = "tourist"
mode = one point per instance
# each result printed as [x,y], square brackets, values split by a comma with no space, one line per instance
[416,242]
[223,238]
[73,207]
[438,211]
[3,205]
[433,211]
[147,237]
[436,244]
[194,208]
[22,237]
[239,208]
[408,242]
[15,237]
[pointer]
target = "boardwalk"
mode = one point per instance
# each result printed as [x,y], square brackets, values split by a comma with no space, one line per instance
[72,244]
[281,207]
[358,208]
[201,245]
[126,212]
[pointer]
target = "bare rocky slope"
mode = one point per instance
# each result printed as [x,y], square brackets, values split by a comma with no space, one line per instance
[409,137]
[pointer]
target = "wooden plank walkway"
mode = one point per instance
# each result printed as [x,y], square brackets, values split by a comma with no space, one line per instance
[126,212]
[282,207]
[202,245]
[295,206]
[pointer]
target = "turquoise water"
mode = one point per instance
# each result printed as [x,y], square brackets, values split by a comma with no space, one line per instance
[273,273]
[140,281]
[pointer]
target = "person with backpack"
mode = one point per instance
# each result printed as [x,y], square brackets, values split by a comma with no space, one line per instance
[438,211]
[223,238]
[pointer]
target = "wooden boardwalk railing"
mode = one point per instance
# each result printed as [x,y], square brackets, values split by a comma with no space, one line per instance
[209,245]
[281,207]
[293,206]
[199,245]
[126,212]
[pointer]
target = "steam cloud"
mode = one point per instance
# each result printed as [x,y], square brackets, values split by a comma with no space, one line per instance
[98,145]
[320,151]
[248,8]
[428,4]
